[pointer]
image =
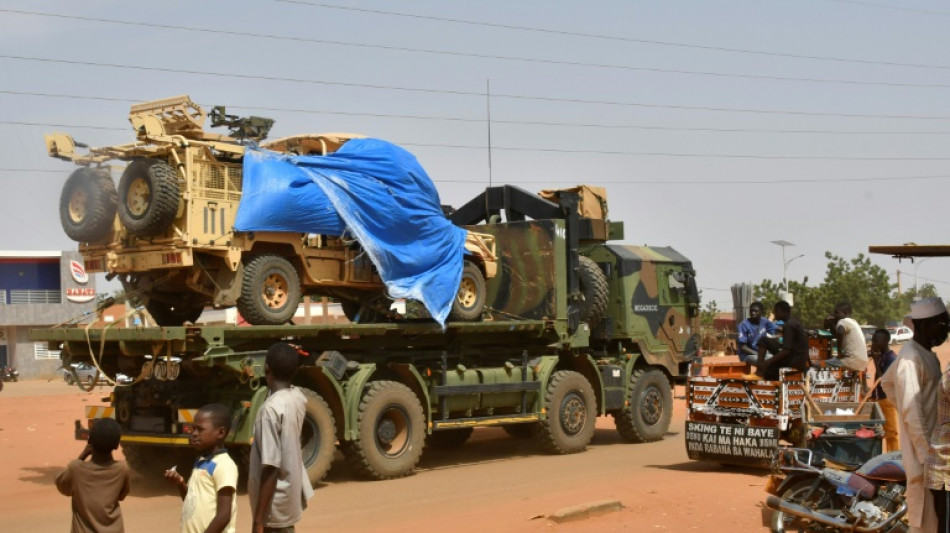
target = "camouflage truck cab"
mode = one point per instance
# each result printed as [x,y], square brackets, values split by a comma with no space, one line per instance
[167,230]
[654,304]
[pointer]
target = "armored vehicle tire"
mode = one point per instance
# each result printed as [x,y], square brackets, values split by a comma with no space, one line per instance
[519,431]
[149,195]
[594,291]
[391,427]
[166,314]
[87,205]
[318,437]
[447,439]
[270,291]
[572,414]
[646,417]
[469,302]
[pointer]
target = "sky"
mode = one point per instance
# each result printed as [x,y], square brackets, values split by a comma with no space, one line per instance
[716,127]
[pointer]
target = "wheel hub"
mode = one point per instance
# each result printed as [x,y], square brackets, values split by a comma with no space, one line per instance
[78,205]
[573,414]
[651,406]
[392,431]
[275,291]
[468,293]
[138,197]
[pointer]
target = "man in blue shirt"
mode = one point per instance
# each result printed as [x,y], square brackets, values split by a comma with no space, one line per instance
[750,331]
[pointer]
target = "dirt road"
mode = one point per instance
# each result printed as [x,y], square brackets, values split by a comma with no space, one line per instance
[493,482]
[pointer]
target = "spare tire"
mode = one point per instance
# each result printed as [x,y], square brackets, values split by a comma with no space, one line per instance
[149,194]
[594,291]
[469,301]
[87,205]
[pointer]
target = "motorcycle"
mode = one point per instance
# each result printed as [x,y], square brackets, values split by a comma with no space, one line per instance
[9,374]
[808,494]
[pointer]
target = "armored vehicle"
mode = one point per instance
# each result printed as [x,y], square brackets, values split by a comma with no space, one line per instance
[578,327]
[168,232]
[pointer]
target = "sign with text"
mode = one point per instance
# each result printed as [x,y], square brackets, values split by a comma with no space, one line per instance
[730,443]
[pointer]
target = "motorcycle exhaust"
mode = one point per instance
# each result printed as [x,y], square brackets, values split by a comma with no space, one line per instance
[779,504]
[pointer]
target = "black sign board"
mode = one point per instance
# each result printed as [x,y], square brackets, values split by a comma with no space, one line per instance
[731,443]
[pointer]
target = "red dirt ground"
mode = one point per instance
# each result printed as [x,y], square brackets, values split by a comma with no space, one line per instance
[492,482]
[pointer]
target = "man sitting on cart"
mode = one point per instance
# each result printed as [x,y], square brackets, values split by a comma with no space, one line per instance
[751,330]
[792,352]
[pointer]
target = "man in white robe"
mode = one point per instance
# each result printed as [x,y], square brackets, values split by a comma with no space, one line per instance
[912,382]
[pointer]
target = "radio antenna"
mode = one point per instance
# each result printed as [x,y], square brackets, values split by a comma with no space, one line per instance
[488,108]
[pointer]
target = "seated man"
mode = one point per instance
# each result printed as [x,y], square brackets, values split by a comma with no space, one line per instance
[750,331]
[793,351]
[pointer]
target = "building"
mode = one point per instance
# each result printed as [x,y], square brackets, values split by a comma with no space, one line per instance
[40,289]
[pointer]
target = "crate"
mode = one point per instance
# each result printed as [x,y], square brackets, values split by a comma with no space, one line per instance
[869,415]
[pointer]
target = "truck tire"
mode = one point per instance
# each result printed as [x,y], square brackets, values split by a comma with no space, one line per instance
[594,291]
[448,439]
[649,407]
[318,437]
[166,314]
[572,413]
[270,291]
[87,205]
[469,302]
[391,427]
[149,195]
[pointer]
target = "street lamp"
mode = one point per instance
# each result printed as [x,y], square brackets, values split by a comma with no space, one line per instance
[916,264]
[785,262]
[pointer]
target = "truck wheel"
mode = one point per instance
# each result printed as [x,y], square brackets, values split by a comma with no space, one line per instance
[270,291]
[166,314]
[594,291]
[87,205]
[519,431]
[649,407]
[318,437]
[448,439]
[470,299]
[572,412]
[391,429]
[149,196]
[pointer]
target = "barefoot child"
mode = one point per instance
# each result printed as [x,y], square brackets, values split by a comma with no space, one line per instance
[210,504]
[98,485]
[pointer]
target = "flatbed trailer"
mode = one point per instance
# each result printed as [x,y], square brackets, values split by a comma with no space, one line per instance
[574,328]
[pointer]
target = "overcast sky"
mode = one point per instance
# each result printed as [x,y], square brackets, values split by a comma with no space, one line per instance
[716,127]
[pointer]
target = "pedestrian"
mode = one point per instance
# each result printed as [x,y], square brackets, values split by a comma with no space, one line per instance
[852,347]
[793,350]
[911,383]
[883,356]
[750,331]
[277,486]
[98,485]
[938,460]
[210,503]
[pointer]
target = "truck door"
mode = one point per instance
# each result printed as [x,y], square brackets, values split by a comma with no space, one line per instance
[676,286]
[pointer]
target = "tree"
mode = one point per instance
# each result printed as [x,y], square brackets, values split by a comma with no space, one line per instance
[708,315]
[864,285]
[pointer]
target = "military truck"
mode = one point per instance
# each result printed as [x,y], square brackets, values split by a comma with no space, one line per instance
[168,233]
[578,327]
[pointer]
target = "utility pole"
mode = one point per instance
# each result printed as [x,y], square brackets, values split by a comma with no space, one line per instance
[898,282]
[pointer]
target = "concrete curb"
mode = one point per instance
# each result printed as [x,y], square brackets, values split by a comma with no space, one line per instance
[584,511]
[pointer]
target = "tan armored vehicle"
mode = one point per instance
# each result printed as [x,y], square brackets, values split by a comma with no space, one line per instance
[167,231]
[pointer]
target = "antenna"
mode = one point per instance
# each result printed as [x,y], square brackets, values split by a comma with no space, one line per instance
[488,106]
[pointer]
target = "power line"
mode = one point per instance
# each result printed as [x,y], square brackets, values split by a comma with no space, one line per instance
[297,39]
[614,37]
[526,97]
[892,7]
[576,151]
[529,123]
[638,182]
[457,92]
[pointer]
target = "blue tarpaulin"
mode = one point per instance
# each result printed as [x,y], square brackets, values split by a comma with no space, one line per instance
[374,191]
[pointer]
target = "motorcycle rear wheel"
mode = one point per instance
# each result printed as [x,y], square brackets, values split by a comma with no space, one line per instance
[822,498]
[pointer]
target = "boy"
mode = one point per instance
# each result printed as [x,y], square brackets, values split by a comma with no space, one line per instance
[210,505]
[277,485]
[97,486]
